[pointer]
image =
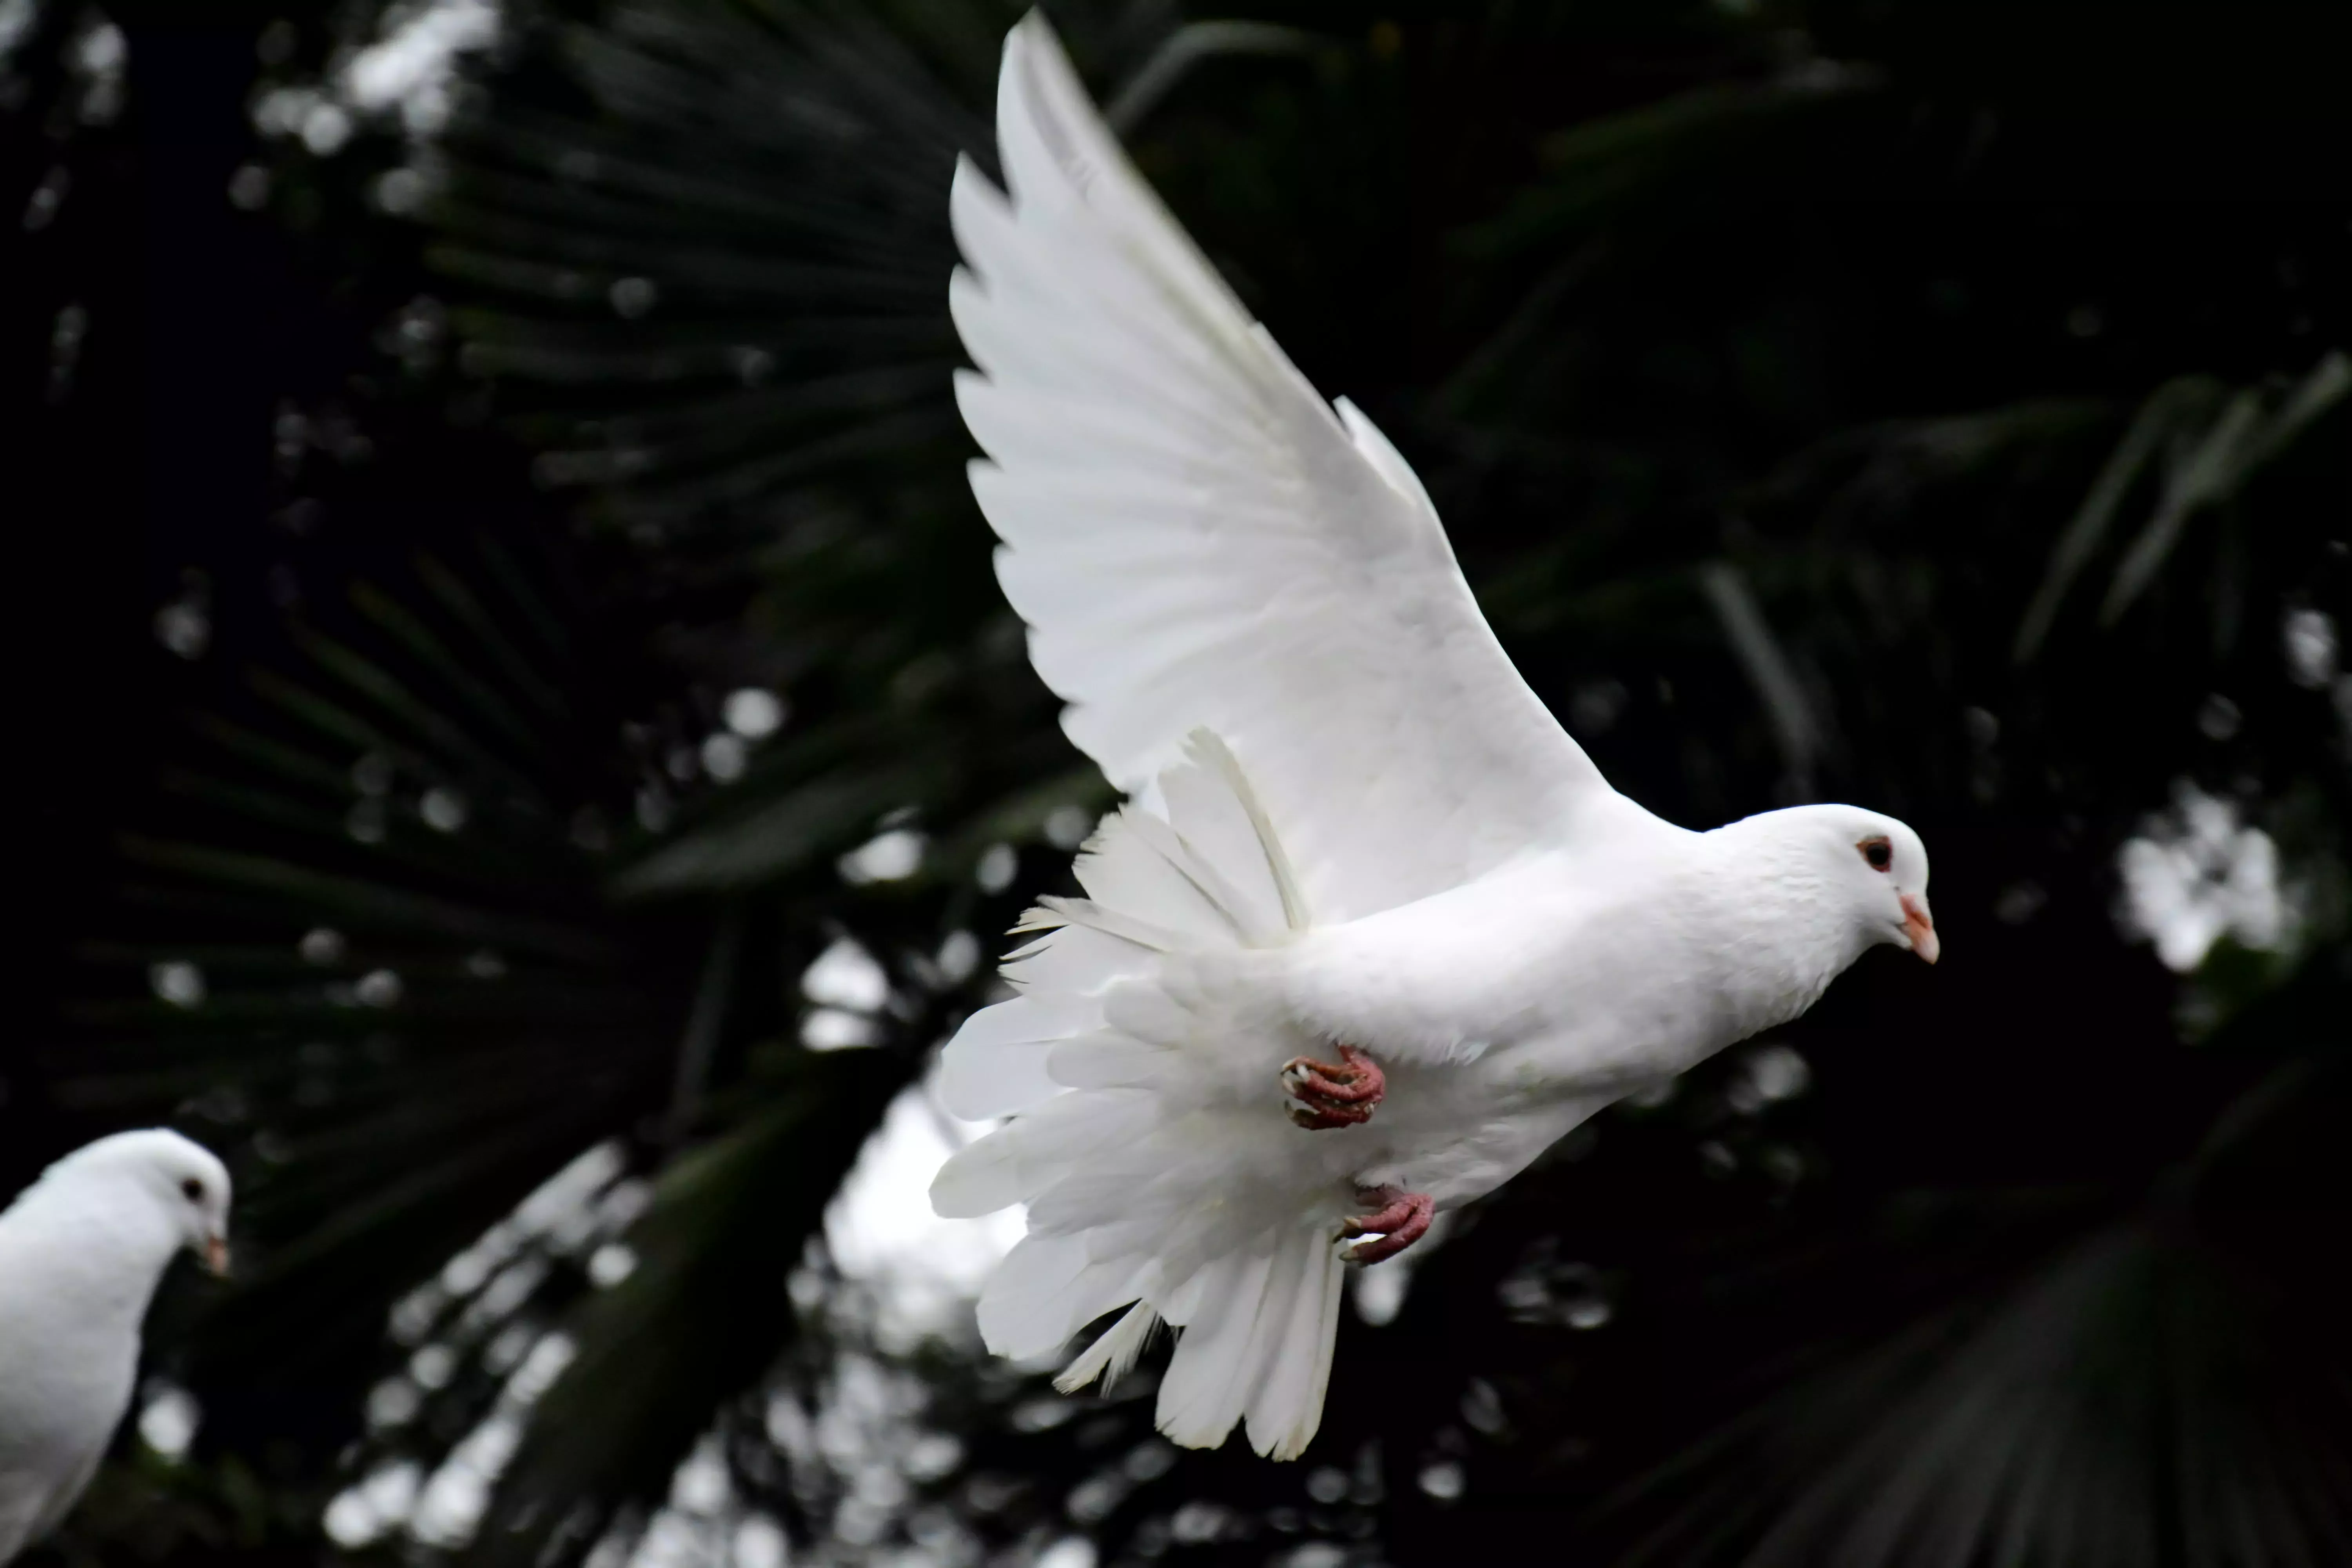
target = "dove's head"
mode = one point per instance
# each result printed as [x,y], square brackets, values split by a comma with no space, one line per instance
[1882,865]
[181,1180]
[1867,865]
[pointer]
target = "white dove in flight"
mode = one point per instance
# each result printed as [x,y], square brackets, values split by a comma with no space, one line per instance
[1372,931]
[81,1251]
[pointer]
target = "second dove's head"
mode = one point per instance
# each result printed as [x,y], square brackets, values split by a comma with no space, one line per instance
[183,1179]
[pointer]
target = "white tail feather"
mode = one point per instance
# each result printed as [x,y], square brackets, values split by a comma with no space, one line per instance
[1112,1356]
[1146,1144]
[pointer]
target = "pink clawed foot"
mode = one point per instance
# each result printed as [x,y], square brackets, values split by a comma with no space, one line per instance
[1333,1095]
[1402,1220]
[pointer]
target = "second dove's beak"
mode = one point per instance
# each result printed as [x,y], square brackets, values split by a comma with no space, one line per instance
[217,1255]
[1920,927]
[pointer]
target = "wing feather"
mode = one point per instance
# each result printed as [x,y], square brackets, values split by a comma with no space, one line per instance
[1197,539]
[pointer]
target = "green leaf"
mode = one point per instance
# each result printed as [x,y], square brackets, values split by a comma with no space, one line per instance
[704,1313]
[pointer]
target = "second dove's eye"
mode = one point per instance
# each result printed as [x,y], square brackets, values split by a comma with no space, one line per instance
[1878,852]
[195,1190]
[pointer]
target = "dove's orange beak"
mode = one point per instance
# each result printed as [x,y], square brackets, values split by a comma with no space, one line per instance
[1920,927]
[217,1255]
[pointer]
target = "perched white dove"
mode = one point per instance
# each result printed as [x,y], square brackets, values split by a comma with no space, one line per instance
[81,1251]
[1374,932]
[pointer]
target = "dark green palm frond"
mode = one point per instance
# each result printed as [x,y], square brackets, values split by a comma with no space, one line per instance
[2211,442]
[704,1311]
[788,304]
[394,858]
[705,271]
[2164,1384]
[719,257]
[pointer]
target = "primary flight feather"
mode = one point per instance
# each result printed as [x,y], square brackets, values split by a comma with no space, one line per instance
[1373,931]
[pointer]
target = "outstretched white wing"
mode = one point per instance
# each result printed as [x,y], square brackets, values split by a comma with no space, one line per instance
[1196,539]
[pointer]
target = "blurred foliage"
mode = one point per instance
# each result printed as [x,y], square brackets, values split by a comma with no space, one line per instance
[1939,407]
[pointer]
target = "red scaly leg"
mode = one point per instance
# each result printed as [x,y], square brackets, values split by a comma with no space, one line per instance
[1402,1219]
[1341,1094]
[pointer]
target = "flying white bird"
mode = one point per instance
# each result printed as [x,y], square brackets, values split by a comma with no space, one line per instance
[81,1251]
[1372,931]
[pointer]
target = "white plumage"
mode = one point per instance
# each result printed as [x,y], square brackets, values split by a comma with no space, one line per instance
[1353,824]
[81,1251]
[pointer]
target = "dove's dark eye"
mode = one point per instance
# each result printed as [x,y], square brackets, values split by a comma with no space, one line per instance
[194,1189]
[1878,852]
